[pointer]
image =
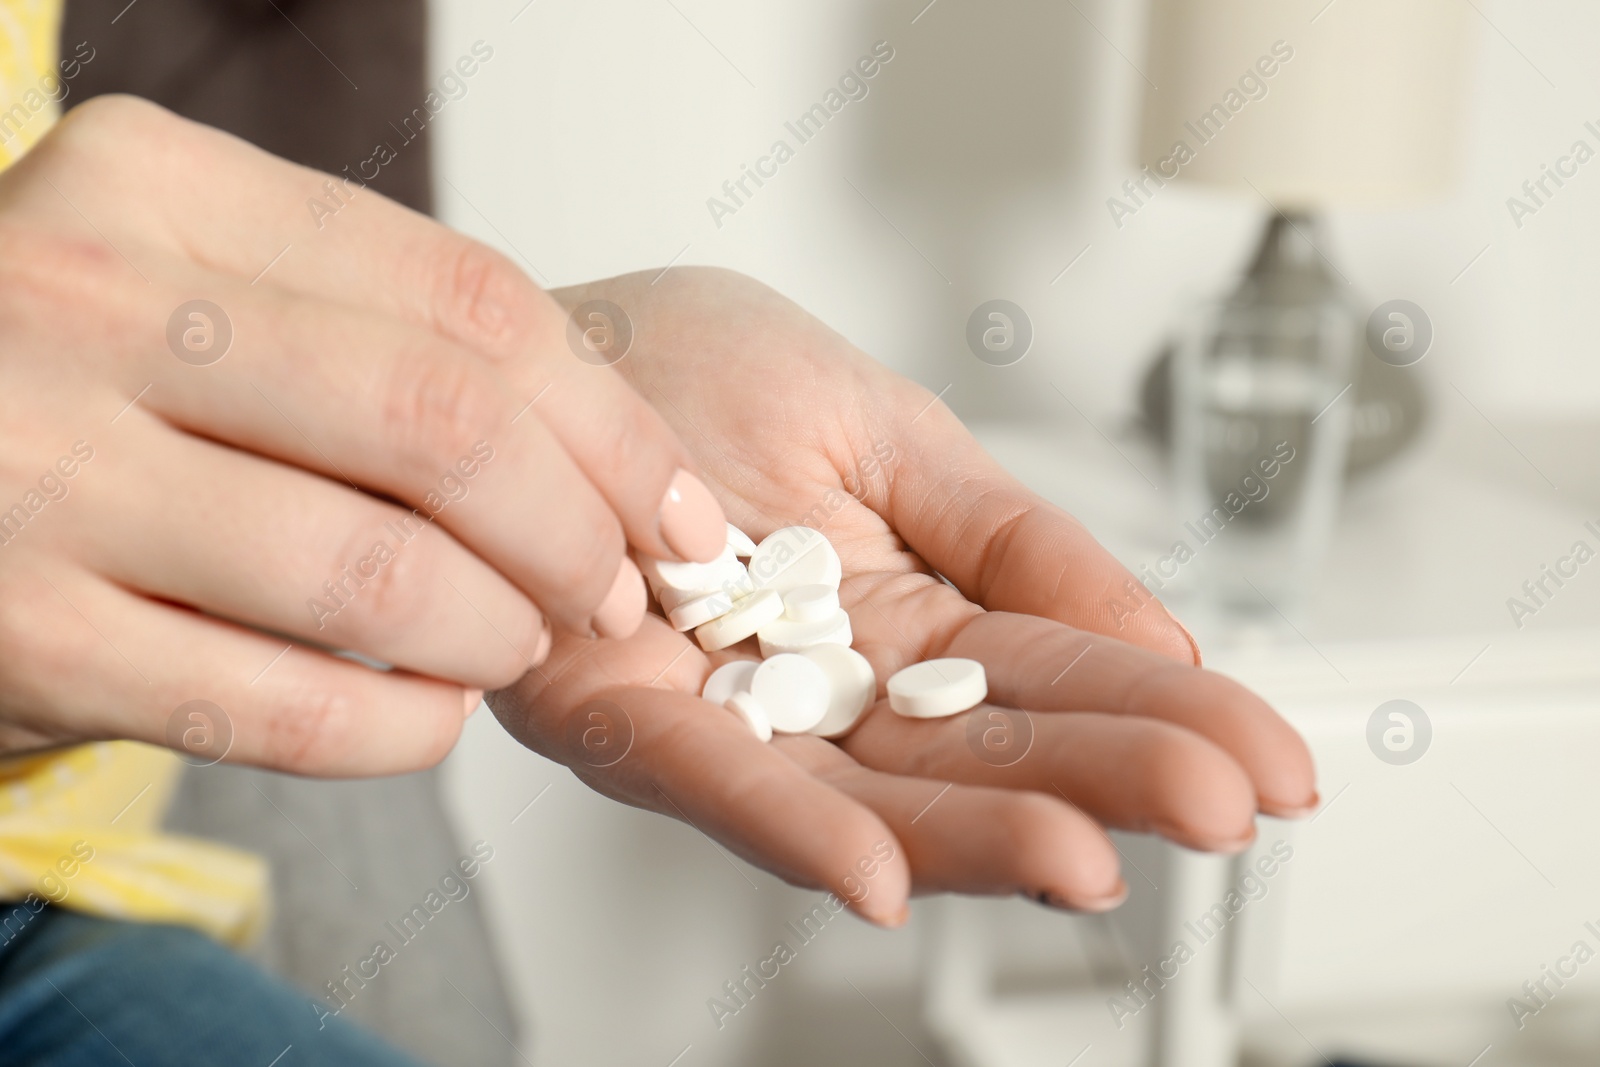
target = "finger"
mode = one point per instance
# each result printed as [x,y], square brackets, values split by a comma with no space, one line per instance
[1039,665]
[972,839]
[1134,774]
[86,659]
[1007,548]
[399,412]
[329,238]
[440,280]
[276,548]
[699,764]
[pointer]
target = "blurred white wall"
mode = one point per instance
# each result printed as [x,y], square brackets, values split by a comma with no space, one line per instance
[978,166]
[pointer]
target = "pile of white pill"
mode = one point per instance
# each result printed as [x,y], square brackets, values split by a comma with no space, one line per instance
[809,680]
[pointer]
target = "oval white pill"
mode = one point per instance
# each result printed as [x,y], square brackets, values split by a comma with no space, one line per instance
[851,688]
[810,603]
[700,610]
[795,556]
[754,715]
[688,577]
[740,542]
[935,688]
[728,679]
[748,616]
[786,635]
[792,690]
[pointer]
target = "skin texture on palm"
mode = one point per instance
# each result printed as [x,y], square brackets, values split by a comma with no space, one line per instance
[1124,731]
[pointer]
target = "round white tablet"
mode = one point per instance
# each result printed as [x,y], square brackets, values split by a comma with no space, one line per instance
[700,610]
[748,616]
[689,577]
[810,603]
[754,715]
[786,635]
[726,576]
[793,690]
[795,556]
[740,542]
[935,688]
[728,679]
[851,688]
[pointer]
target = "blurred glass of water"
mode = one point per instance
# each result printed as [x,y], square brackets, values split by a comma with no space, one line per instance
[1261,426]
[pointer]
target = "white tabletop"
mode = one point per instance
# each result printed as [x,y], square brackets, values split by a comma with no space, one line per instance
[1425,556]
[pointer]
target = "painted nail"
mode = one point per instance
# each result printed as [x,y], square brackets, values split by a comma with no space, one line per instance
[474,697]
[621,612]
[692,523]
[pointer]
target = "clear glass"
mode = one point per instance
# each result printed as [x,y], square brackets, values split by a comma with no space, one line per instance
[1261,427]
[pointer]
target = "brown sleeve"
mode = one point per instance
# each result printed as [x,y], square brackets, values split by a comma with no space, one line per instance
[319,82]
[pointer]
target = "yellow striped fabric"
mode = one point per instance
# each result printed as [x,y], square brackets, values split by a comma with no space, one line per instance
[81,827]
[28,83]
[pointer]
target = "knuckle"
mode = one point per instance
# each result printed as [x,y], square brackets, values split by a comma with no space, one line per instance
[37,643]
[482,298]
[390,584]
[21,642]
[100,124]
[632,436]
[49,277]
[117,111]
[323,730]
[438,407]
[307,728]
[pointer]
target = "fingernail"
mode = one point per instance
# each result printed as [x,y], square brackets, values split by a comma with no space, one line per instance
[541,651]
[473,697]
[1282,811]
[1107,903]
[890,920]
[1231,848]
[1094,905]
[1194,646]
[692,523]
[621,612]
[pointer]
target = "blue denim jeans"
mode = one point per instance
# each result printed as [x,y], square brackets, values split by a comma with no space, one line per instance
[77,991]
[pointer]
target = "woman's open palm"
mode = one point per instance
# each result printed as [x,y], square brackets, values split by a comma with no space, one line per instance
[944,555]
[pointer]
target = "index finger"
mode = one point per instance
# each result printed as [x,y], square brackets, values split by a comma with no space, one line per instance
[278,225]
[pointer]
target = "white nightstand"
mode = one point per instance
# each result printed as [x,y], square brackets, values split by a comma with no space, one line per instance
[1423,895]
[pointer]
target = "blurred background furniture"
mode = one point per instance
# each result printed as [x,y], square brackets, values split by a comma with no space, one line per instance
[1368,114]
[1424,894]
